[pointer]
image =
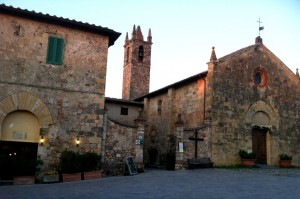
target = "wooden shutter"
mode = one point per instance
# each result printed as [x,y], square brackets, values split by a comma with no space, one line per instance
[50,51]
[55,50]
[59,50]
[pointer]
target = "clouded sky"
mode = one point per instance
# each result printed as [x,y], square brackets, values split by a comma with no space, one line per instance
[183,32]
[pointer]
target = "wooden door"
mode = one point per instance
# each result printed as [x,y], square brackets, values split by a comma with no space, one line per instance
[17,159]
[259,145]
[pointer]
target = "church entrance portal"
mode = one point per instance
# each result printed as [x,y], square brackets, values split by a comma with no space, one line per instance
[259,144]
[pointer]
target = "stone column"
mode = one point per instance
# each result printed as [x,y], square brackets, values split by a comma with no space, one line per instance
[139,141]
[179,161]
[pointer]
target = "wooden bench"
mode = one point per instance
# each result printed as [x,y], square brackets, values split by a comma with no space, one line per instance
[200,163]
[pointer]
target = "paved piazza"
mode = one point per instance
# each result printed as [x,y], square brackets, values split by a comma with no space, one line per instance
[187,184]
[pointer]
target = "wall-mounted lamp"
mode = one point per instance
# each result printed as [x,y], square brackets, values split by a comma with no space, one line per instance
[42,140]
[77,141]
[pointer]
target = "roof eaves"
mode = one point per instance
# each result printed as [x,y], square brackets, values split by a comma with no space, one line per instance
[122,101]
[113,35]
[174,85]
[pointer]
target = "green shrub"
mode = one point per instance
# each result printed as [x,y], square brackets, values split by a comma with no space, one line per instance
[70,162]
[90,161]
[284,156]
[245,155]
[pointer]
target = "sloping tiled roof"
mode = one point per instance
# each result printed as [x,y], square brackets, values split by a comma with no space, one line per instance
[237,53]
[175,85]
[113,35]
[123,101]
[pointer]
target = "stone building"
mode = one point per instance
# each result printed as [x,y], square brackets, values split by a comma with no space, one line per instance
[52,85]
[247,100]
[124,132]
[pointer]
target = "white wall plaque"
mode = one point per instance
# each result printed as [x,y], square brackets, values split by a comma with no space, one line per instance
[18,135]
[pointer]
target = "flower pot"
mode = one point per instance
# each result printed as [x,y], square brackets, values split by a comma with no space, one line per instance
[71,177]
[285,163]
[92,175]
[50,178]
[248,162]
[24,180]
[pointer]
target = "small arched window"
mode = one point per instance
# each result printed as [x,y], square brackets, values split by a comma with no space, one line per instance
[159,106]
[141,53]
[127,55]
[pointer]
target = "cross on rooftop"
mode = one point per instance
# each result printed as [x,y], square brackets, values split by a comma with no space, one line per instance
[259,27]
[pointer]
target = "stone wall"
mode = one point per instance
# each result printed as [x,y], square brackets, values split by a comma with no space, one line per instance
[161,113]
[72,92]
[234,100]
[120,141]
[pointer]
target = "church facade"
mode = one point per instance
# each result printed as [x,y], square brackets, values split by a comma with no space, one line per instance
[247,100]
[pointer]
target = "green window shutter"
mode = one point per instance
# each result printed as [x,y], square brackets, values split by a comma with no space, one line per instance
[59,51]
[55,50]
[50,50]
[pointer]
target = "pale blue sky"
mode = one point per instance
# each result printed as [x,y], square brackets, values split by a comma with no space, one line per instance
[183,31]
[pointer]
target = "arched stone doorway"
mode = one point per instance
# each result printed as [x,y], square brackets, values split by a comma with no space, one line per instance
[260,136]
[19,144]
[263,120]
[22,115]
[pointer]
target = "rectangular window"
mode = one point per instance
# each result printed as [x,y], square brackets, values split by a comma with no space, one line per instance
[55,50]
[124,111]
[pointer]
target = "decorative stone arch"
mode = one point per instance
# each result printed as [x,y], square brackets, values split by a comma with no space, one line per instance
[25,101]
[260,113]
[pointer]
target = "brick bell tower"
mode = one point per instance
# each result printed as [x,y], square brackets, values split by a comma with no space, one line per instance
[136,70]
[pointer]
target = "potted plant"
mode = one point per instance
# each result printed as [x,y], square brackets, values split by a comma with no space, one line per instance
[248,158]
[70,166]
[91,165]
[285,160]
[50,175]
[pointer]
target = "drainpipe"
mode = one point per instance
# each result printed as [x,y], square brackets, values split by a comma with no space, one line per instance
[103,143]
[204,100]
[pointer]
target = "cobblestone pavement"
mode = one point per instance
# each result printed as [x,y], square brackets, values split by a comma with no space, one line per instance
[162,184]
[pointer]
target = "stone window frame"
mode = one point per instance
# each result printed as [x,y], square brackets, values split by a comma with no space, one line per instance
[123,111]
